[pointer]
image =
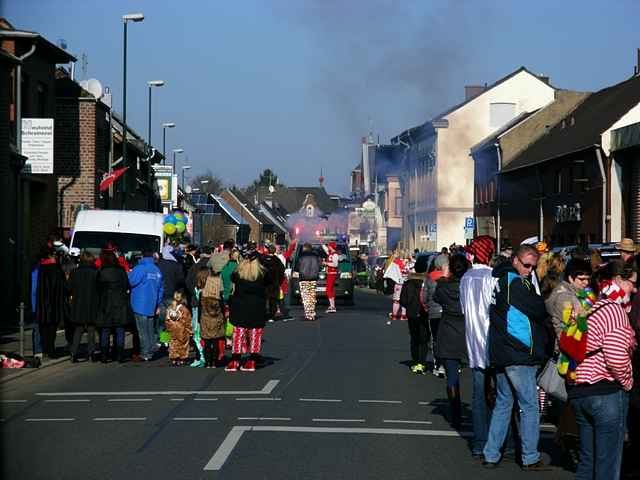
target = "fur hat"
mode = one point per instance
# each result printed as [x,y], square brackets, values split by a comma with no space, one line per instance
[217,262]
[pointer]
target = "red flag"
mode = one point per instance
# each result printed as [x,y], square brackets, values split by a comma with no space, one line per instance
[107,180]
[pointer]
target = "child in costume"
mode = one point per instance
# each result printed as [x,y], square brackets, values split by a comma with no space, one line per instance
[199,361]
[178,324]
[212,318]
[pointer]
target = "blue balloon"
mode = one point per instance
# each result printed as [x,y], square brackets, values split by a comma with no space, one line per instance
[170,219]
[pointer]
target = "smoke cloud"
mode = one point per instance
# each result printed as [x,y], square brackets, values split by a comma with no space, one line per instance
[394,64]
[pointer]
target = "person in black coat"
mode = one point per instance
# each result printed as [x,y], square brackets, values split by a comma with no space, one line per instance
[82,287]
[248,314]
[417,315]
[113,303]
[51,301]
[451,347]
[275,271]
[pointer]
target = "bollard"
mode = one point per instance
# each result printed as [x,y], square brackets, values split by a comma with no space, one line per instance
[21,309]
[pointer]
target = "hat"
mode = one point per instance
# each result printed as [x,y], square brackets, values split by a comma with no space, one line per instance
[482,248]
[332,245]
[217,262]
[440,261]
[626,245]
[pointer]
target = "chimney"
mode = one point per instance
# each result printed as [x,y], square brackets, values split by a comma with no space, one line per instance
[544,78]
[471,91]
[638,64]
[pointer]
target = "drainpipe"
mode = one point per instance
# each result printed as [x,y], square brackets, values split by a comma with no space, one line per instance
[603,175]
[21,239]
[540,206]
[498,200]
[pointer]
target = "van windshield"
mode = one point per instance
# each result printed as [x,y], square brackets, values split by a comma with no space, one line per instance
[131,245]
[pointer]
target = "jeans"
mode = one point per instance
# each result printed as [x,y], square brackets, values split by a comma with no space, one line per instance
[104,338]
[480,413]
[518,381]
[451,371]
[601,421]
[147,332]
[37,341]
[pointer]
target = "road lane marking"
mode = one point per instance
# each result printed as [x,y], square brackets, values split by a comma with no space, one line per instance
[225,449]
[193,419]
[266,390]
[380,401]
[356,420]
[49,419]
[177,399]
[119,419]
[267,419]
[206,399]
[434,403]
[271,399]
[328,400]
[69,400]
[417,422]
[13,401]
[129,400]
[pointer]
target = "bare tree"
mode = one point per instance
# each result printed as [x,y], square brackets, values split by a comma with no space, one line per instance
[207,183]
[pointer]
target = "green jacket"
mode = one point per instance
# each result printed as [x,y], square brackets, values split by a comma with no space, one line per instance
[227,284]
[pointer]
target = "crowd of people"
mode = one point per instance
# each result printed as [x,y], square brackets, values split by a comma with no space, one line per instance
[513,315]
[191,302]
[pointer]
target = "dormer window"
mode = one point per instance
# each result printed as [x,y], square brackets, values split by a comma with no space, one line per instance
[309,211]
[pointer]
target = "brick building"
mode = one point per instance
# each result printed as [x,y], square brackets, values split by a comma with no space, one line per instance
[82,146]
[35,197]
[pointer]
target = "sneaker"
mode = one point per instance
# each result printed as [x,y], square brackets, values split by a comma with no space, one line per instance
[404,318]
[539,466]
[331,310]
[197,363]
[249,366]
[418,369]
[232,366]
[392,316]
[439,372]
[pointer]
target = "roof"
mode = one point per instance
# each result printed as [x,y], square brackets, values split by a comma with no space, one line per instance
[7,57]
[58,54]
[582,127]
[292,198]
[229,210]
[493,138]
[442,115]
[250,206]
[274,217]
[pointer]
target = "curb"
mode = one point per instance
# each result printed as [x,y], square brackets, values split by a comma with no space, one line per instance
[21,372]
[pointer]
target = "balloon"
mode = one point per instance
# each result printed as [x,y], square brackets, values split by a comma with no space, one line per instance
[186,220]
[179,217]
[170,228]
[180,227]
[170,219]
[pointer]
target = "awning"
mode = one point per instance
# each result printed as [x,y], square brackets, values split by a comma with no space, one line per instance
[625,137]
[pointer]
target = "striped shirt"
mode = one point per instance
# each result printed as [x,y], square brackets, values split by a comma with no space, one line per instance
[609,330]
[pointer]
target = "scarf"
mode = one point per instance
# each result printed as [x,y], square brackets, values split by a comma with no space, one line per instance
[573,339]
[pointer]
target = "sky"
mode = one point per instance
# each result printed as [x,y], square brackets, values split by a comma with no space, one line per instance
[293,85]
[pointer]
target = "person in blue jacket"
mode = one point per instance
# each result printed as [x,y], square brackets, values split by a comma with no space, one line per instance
[147,290]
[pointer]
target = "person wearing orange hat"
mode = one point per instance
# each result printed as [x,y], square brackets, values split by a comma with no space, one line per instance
[627,249]
[332,262]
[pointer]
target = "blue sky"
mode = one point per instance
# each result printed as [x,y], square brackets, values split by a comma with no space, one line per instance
[293,85]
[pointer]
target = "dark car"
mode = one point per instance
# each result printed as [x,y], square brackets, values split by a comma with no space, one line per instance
[344,284]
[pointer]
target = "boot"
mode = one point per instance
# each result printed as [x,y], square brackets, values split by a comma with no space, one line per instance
[120,354]
[453,394]
[104,357]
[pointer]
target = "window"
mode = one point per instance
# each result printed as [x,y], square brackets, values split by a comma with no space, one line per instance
[501,113]
[309,211]
[398,206]
[557,188]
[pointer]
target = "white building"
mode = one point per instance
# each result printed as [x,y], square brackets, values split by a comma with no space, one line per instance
[437,175]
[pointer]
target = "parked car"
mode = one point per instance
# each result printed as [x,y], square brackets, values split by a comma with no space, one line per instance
[344,284]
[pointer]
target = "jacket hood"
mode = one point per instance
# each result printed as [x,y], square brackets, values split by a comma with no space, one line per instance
[503,269]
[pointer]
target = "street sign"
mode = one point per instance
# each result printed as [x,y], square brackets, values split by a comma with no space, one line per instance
[433,227]
[469,223]
[37,144]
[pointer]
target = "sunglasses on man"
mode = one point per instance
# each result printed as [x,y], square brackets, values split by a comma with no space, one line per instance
[528,266]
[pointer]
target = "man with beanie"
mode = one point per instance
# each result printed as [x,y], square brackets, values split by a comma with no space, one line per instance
[411,300]
[476,291]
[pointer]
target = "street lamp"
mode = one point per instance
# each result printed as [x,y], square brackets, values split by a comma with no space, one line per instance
[152,83]
[184,167]
[176,150]
[164,140]
[130,17]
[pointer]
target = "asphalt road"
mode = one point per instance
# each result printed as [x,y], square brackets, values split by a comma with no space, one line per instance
[335,400]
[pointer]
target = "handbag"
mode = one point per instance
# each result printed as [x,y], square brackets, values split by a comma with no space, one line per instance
[551,382]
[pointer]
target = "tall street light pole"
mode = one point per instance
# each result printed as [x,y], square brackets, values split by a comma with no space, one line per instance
[152,83]
[164,140]
[176,150]
[130,17]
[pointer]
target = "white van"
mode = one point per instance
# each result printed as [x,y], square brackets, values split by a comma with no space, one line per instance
[130,231]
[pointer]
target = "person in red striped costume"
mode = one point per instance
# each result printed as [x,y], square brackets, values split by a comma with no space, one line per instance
[600,395]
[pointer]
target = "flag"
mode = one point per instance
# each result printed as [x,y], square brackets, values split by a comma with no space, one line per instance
[107,180]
